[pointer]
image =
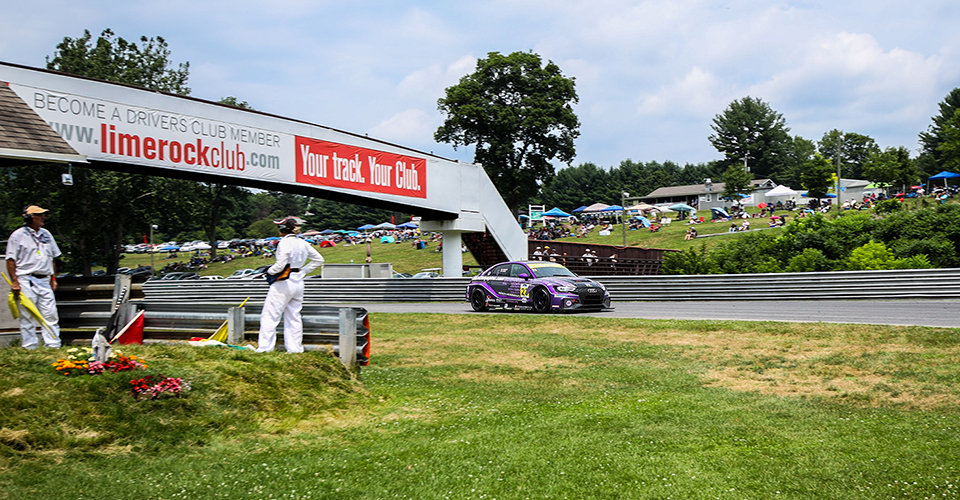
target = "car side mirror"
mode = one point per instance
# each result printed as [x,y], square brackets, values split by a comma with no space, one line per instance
[524,276]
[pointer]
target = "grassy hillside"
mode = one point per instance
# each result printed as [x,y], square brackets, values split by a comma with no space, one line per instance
[507,407]
[405,259]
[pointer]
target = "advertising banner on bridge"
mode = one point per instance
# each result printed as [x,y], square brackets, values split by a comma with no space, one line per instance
[114,131]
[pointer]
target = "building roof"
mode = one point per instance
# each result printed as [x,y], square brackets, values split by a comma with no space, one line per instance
[25,138]
[697,189]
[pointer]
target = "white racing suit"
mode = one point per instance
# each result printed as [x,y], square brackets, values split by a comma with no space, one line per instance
[285,298]
[39,291]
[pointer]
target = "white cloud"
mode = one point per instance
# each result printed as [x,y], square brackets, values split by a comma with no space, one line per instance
[651,74]
[410,125]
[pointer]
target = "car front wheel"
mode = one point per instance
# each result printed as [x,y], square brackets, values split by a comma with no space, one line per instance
[541,301]
[478,300]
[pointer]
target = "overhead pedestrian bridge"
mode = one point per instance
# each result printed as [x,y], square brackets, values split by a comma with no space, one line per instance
[51,118]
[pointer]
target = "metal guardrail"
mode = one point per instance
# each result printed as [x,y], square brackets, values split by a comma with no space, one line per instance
[185,319]
[911,283]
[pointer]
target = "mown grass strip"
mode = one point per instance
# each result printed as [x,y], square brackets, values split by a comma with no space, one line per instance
[530,406]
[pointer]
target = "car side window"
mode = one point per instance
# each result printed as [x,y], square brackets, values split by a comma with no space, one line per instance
[501,271]
[517,269]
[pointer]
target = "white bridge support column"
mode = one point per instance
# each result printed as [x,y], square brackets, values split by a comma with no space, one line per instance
[452,256]
[452,229]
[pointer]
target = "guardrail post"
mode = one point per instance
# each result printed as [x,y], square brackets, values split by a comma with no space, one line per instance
[348,337]
[235,325]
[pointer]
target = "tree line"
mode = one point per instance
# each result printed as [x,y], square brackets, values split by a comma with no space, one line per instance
[517,112]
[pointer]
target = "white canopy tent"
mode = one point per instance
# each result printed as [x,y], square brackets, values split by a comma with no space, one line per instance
[780,190]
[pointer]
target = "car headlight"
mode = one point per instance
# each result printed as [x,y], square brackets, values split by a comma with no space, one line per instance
[566,288]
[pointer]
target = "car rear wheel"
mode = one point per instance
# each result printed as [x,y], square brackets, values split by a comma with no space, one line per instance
[541,301]
[478,300]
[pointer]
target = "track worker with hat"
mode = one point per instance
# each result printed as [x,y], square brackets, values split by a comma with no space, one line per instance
[285,297]
[30,253]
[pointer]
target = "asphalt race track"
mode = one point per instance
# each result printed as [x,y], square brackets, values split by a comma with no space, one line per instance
[920,312]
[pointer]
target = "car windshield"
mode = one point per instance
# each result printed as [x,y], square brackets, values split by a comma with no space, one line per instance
[547,270]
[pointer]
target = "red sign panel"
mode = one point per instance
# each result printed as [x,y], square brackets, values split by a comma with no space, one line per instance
[337,165]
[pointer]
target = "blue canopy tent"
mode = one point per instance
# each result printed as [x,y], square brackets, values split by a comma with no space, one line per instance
[579,209]
[408,225]
[719,213]
[327,231]
[365,227]
[556,212]
[613,208]
[643,220]
[943,175]
[828,195]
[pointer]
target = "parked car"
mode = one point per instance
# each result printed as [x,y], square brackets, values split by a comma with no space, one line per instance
[240,273]
[425,275]
[140,271]
[258,273]
[211,277]
[540,286]
[171,276]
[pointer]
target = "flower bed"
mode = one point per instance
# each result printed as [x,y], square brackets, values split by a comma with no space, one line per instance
[157,386]
[80,361]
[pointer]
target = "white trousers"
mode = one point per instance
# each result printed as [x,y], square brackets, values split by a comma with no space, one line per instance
[285,298]
[38,290]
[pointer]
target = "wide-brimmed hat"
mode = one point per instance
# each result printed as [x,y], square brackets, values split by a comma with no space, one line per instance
[288,225]
[33,209]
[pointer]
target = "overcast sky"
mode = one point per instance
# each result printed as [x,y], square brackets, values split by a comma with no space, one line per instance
[651,75]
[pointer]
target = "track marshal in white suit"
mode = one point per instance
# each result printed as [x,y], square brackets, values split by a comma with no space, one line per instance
[285,297]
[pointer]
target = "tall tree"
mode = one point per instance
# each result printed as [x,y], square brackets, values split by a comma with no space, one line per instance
[890,168]
[518,114]
[799,151]
[932,156]
[817,176]
[736,182]
[949,147]
[750,129]
[117,60]
[853,150]
[584,184]
[105,206]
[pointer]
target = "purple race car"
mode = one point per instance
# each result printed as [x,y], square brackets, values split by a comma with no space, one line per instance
[541,286]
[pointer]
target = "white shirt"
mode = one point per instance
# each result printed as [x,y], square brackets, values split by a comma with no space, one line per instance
[294,251]
[32,251]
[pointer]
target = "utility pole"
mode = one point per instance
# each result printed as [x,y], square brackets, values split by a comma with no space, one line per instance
[623,225]
[839,145]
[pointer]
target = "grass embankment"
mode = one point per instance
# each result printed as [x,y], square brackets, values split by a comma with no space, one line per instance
[508,407]
[407,260]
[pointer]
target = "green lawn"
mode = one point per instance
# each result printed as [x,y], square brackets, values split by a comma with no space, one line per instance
[508,407]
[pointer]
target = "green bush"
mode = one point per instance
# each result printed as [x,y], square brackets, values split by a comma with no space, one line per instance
[686,262]
[875,256]
[809,260]
[888,206]
[938,250]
